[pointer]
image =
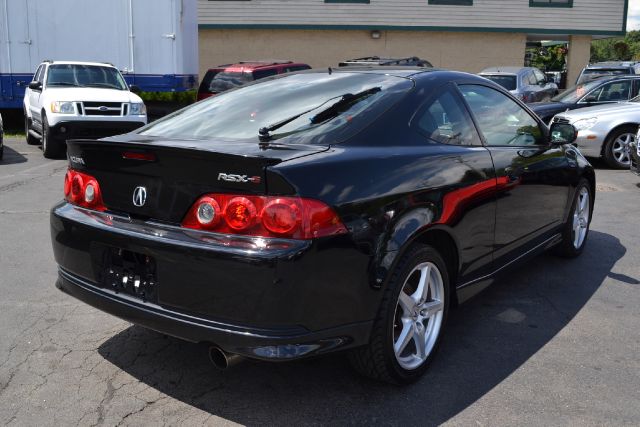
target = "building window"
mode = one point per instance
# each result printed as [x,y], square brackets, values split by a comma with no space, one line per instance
[550,3]
[453,2]
[347,1]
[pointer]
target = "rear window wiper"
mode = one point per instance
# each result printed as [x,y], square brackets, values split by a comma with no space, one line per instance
[346,100]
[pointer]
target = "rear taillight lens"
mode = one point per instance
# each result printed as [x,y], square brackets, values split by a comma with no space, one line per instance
[263,216]
[83,190]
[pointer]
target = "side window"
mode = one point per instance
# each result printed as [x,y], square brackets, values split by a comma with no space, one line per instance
[614,91]
[296,68]
[500,119]
[531,79]
[261,74]
[446,120]
[539,76]
[38,75]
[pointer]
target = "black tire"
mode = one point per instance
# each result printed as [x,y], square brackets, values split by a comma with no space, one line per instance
[31,140]
[52,148]
[567,248]
[377,360]
[610,144]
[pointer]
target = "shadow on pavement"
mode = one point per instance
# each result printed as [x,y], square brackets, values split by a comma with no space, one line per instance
[11,156]
[487,340]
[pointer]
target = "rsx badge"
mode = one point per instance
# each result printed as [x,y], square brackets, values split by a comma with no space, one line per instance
[239,178]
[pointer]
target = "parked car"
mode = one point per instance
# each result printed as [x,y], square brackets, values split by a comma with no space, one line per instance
[605,130]
[610,68]
[1,138]
[412,61]
[320,211]
[605,90]
[634,154]
[78,99]
[528,84]
[229,76]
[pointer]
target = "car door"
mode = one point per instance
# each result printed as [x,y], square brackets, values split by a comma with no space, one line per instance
[531,174]
[34,95]
[467,166]
[545,90]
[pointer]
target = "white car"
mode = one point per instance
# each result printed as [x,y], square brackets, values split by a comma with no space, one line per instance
[69,100]
[606,131]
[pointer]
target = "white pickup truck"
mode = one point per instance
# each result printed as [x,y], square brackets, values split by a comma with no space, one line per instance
[68,100]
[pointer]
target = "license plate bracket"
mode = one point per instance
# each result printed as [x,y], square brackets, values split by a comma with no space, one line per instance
[130,273]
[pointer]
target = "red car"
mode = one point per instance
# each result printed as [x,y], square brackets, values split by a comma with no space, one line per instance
[225,77]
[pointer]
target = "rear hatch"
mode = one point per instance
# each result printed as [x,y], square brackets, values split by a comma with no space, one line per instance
[175,173]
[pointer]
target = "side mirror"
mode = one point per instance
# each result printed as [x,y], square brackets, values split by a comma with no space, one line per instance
[562,133]
[35,85]
[135,89]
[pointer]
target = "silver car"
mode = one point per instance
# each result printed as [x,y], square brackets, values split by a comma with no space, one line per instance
[606,131]
[528,84]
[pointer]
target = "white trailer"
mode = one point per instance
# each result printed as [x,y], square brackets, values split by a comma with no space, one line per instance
[153,42]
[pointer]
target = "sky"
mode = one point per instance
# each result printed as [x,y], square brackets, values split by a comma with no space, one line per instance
[633,18]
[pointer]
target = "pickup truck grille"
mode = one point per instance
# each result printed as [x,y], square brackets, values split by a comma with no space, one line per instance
[102,108]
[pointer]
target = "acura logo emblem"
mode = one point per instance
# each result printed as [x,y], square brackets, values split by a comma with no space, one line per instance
[139,196]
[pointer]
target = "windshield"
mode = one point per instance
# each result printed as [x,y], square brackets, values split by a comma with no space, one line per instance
[507,82]
[85,76]
[241,114]
[572,95]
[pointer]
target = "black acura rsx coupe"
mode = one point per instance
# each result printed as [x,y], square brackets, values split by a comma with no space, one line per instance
[319,211]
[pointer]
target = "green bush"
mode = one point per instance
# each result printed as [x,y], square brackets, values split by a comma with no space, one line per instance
[186,97]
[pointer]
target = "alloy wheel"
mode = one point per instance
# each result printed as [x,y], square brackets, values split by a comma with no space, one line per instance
[620,148]
[418,316]
[581,218]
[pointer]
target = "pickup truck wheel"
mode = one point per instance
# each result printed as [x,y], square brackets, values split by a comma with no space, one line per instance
[411,320]
[31,140]
[52,148]
[616,149]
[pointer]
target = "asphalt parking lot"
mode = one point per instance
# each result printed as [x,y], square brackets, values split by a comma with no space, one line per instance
[556,342]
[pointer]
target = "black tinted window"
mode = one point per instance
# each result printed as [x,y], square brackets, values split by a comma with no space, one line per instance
[445,119]
[205,85]
[501,120]
[239,114]
[228,80]
[261,74]
[85,76]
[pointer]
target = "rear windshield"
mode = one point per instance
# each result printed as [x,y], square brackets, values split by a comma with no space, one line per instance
[206,81]
[507,82]
[594,73]
[241,113]
[228,80]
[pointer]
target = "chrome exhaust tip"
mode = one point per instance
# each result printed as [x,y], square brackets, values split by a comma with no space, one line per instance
[223,360]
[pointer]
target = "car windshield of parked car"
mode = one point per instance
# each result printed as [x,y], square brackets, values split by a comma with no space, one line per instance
[573,95]
[507,82]
[306,99]
[80,75]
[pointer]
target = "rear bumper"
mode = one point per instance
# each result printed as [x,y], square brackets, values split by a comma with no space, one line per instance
[92,129]
[265,344]
[274,300]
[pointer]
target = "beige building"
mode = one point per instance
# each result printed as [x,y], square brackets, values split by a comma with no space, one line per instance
[466,35]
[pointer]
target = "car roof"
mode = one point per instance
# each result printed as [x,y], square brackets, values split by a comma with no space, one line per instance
[505,70]
[253,65]
[611,65]
[100,64]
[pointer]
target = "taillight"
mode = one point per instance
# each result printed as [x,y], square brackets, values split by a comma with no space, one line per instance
[263,216]
[83,190]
